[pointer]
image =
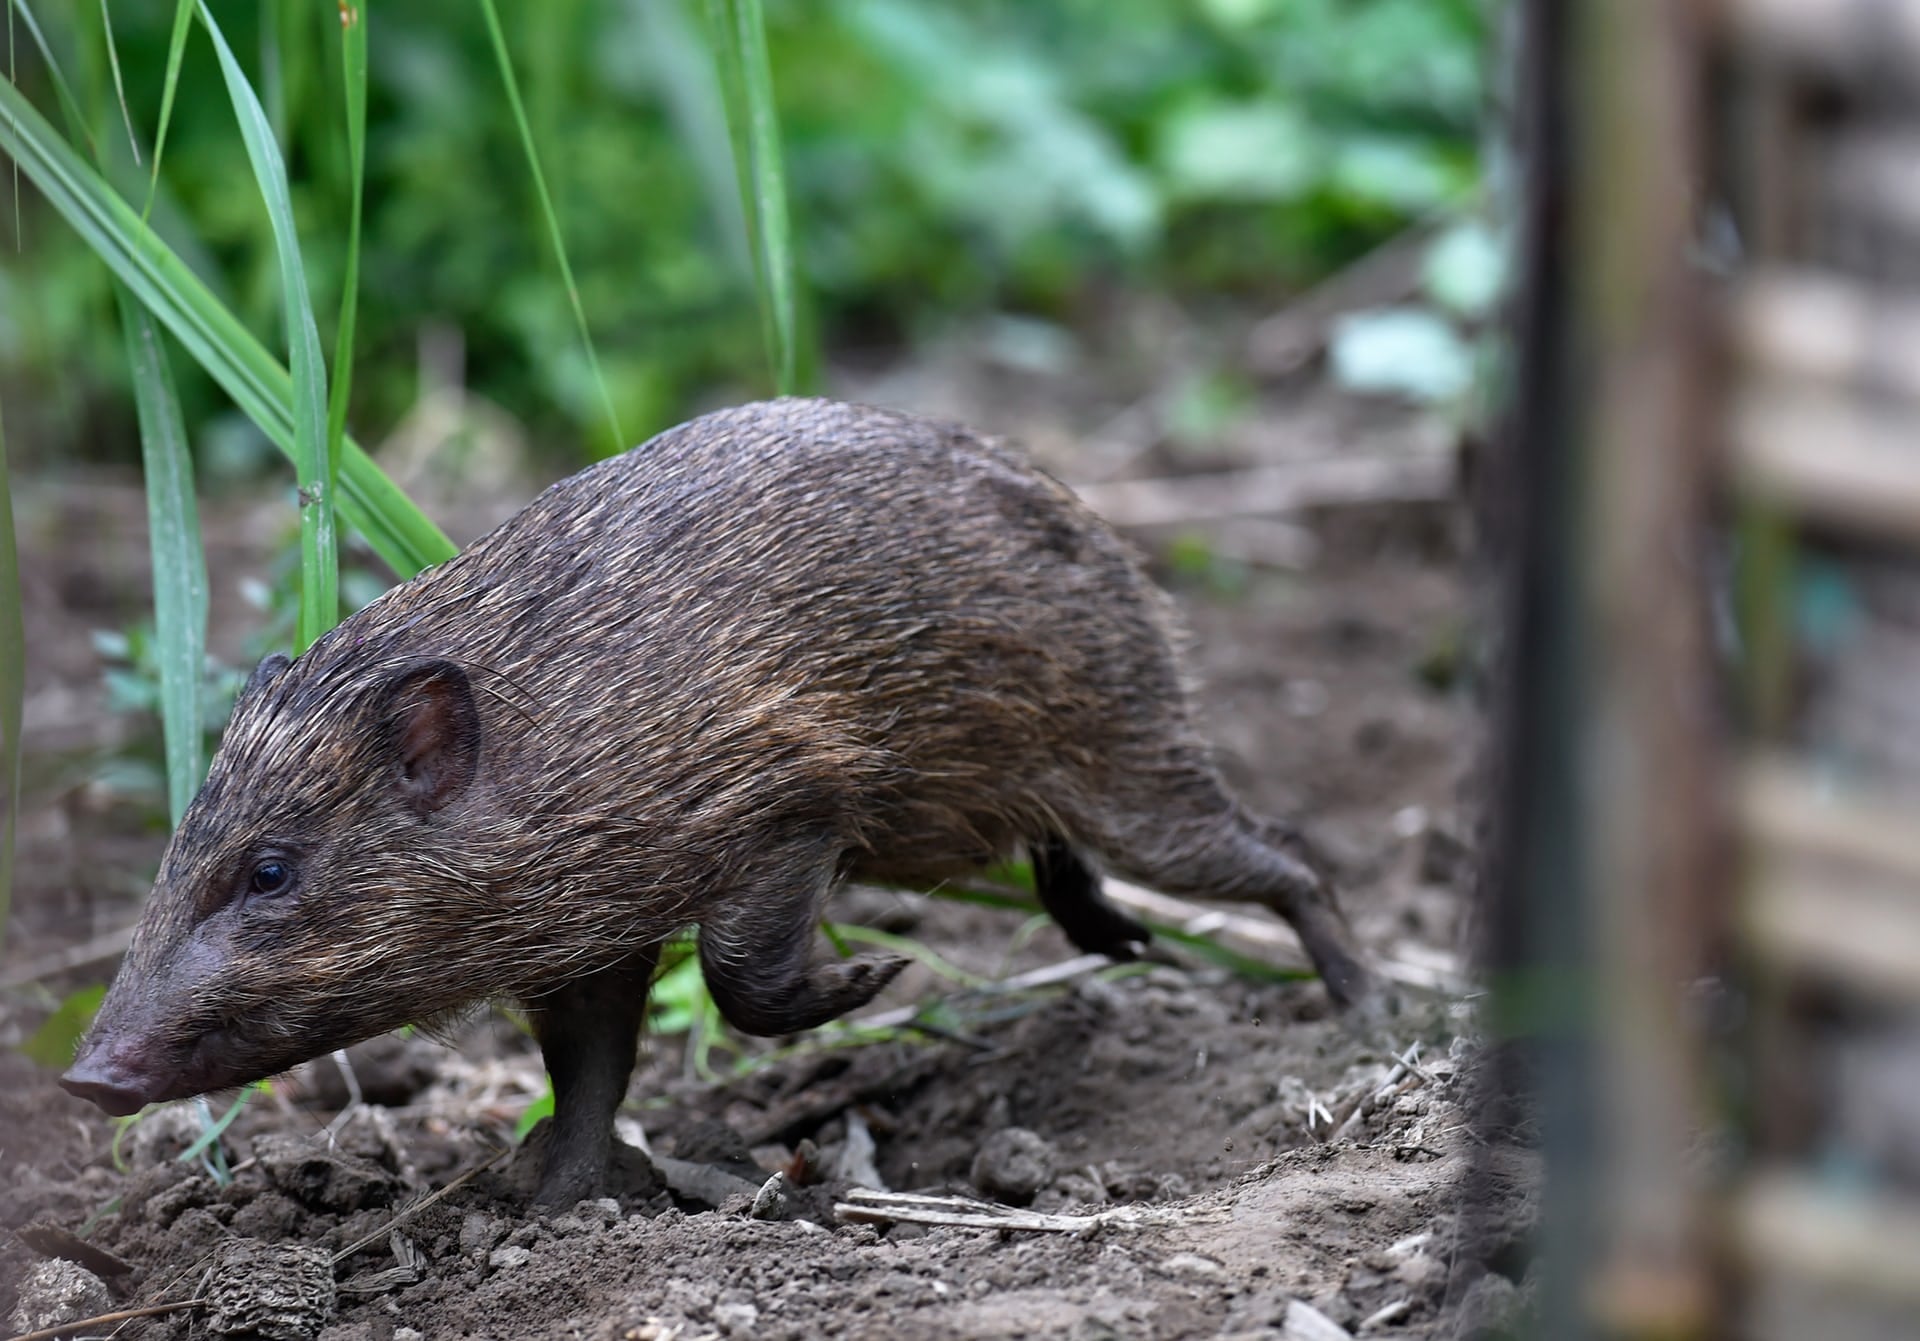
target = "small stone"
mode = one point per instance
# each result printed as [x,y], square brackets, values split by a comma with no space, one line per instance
[328,1180]
[57,1291]
[160,1203]
[479,1232]
[1491,1302]
[408,1334]
[1013,1164]
[350,1331]
[1418,1269]
[1193,1264]
[509,1257]
[1304,1322]
[1444,859]
[161,1135]
[736,1318]
[569,1224]
[770,1202]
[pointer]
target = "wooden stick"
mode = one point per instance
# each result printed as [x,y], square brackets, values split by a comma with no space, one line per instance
[1044,976]
[123,1315]
[1400,1071]
[1273,936]
[408,1212]
[867,1206]
[91,951]
[1334,481]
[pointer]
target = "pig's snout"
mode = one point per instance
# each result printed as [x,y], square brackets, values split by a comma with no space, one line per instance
[110,1079]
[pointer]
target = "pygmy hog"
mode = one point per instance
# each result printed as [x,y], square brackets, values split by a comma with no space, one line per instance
[705,682]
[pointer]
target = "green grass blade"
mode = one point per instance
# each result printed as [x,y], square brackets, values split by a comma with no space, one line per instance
[319,553]
[173,532]
[211,335]
[739,33]
[273,82]
[353,64]
[69,105]
[179,563]
[119,87]
[19,239]
[176,47]
[13,684]
[505,60]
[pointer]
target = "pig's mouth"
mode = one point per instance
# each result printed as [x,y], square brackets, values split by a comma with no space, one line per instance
[122,1076]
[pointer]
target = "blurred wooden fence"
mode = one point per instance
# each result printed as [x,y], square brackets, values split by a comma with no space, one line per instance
[1708,901]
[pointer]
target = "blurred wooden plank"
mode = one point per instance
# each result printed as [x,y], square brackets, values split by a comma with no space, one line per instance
[1785,806]
[1845,926]
[1836,885]
[1828,458]
[1867,177]
[1857,39]
[1787,1224]
[1335,481]
[1816,326]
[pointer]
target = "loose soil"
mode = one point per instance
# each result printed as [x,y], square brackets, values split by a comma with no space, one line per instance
[1250,1159]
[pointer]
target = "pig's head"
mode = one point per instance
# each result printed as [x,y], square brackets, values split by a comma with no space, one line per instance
[297,907]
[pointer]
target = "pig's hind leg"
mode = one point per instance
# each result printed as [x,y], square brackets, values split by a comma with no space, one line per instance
[756,948]
[1070,892]
[1189,837]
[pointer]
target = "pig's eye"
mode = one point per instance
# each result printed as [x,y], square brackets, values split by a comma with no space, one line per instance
[271,876]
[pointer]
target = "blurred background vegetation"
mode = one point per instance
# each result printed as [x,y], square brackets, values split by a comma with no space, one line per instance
[945,159]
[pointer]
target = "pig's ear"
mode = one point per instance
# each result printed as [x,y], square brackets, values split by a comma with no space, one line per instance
[433,733]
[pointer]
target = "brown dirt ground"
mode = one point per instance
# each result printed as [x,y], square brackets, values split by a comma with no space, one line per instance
[1200,1099]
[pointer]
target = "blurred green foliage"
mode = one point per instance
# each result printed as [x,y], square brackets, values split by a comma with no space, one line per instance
[53,1043]
[945,158]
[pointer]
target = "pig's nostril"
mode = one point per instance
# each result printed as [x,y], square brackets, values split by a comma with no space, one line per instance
[112,1094]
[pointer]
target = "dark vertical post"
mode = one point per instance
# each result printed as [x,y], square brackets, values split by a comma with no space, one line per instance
[1603,803]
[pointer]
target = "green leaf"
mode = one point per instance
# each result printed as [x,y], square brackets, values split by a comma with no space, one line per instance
[739,32]
[1398,172]
[1411,352]
[353,64]
[539,1108]
[179,562]
[1217,150]
[319,552]
[53,1043]
[212,336]
[176,47]
[678,999]
[1465,269]
[505,60]
[13,685]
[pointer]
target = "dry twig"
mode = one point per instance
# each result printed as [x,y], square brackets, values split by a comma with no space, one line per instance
[866,1206]
[99,1319]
